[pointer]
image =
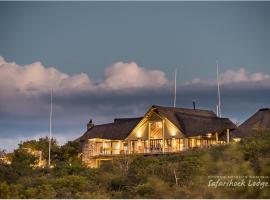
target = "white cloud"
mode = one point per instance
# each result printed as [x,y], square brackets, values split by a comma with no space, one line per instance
[35,79]
[233,77]
[129,75]
[241,75]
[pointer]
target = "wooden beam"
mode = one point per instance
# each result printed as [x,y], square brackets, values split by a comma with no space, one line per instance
[228,136]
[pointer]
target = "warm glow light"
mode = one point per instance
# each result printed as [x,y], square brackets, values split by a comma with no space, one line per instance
[172,130]
[139,134]
[139,143]
[236,139]
[159,124]
[209,135]
[174,142]
[118,145]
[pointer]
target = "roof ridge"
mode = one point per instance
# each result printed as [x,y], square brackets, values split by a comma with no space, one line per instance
[175,108]
[192,114]
[127,117]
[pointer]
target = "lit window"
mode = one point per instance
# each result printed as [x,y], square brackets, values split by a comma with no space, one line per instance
[156,130]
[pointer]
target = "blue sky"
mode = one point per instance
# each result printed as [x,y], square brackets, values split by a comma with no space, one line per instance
[127,52]
[89,36]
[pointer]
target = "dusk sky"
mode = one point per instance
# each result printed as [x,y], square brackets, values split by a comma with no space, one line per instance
[115,59]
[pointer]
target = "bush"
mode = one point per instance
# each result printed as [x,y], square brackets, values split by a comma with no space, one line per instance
[40,192]
[183,175]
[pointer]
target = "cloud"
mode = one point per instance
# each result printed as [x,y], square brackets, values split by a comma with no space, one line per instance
[127,90]
[129,75]
[241,75]
[25,101]
[236,78]
[35,79]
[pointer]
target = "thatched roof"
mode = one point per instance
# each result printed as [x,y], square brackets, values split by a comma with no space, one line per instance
[258,122]
[116,120]
[193,125]
[119,130]
[191,122]
[195,122]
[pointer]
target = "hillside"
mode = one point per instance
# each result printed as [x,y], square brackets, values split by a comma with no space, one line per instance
[239,170]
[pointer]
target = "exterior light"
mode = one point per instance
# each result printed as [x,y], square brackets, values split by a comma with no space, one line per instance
[139,134]
[236,139]
[173,132]
[209,135]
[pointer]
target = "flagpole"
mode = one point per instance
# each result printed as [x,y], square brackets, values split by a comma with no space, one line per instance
[218,88]
[175,76]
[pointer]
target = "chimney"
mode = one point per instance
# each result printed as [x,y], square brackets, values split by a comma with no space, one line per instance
[194,104]
[90,124]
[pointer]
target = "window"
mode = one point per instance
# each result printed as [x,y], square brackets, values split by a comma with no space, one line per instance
[156,130]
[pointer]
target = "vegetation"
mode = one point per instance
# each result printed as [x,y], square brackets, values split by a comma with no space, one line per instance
[184,175]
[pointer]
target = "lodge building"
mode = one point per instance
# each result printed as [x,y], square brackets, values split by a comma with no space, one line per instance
[257,123]
[161,130]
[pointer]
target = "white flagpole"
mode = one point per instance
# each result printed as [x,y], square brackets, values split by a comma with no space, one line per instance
[218,88]
[49,162]
[175,76]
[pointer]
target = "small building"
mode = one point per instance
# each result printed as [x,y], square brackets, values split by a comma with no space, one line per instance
[161,130]
[257,123]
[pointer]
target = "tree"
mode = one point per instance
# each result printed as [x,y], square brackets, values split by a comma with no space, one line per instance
[41,192]
[10,191]
[23,161]
[2,153]
[42,144]
[69,152]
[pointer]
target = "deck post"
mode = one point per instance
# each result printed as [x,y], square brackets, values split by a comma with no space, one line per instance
[228,136]
[111,148]
[128,147]
[163,139]
[149,145]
